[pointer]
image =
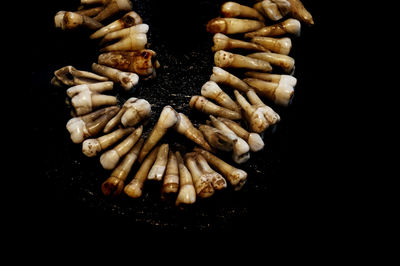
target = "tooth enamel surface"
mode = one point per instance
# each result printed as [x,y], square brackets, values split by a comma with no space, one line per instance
[91,147]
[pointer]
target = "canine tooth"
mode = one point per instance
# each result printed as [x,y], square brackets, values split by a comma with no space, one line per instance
[233,25]
[187,193]
[70,76]
[135,187]
[232,9]
[290,25]
[211,90]
[202,183]
[168,118]
[171,178]
[110,158]
[222,76]
[203,105]
[133,38]
[128,20]
[126,79]
[217,180]
[113,7]
[158,169]
[216,138]
[279,93]
[223,42]
[225,59]
[280,46]
[115,183]
[186,128]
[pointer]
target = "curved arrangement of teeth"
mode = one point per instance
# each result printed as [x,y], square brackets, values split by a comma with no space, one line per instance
[236,125]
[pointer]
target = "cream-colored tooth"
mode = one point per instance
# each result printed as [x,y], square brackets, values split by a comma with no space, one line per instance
[114,121]
[205,106]
[236,177]
[290,25]
[187,193]
[280,46]
[135,187]
[233,25]
[115,183]
[110,158]
[222,76]
[90,12]
[95,87]
[137,110]
[158,169]
[271,10]
[254,140]
[128,20]
[130,43]
[91,124]
[217,138]
[233,9]
[113,7]
[70,76]
[240,147]
[258,6]
[218,181]
[168,118]
[280,94]
[72,20]
[59,19]
[283,61]
[255,118]
[186,128]
[298,11]
[226,59]
[91,147]
[126,79]
[271,116]
[285,79]
[211,90]
[171,179]
[223,42]
[126,32]
[202,183]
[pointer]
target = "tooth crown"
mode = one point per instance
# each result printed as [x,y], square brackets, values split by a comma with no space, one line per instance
[223,59]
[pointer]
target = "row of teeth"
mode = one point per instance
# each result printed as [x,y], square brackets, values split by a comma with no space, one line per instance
[199,172]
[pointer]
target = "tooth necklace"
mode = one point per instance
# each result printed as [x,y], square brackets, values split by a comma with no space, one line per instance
[234,103]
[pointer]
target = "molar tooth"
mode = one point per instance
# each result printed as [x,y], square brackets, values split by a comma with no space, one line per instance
[217,138]
[71,20]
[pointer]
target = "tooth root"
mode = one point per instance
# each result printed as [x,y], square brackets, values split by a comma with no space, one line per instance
[217,181]
[216,138]
[299,12]
[223,42]
[158,169]
[70,76]
[233,25]
[236,177]
[203,105]
[187,192]
[135,187]
[167,119]
[283,61]
[202,184]
[186,128]
[115,183]
[222,76]
[211,90]
[113,7]
[110,158]
[225,59]
[291,26]
[171,179]
[114,121]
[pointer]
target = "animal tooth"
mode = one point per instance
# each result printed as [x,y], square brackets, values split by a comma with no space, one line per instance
[283,61]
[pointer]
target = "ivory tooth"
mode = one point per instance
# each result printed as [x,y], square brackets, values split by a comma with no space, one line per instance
[168,118]
[211,90]
[298,11]
[72,20]
[223,42]
[280,46]
[133,38]
[140,62]
[290,25]
[158,169]
[271,10]
[110,158]
[91,147]
[171,179]
[225,59]
[186,128]
[283,61]
[233,9]
[205,106]
[113,7]
[115,183]
[233,25]
[236,177]
[256,119]
[202,183]
[222,76]
[217,181]
[91,124]
[254,140]
[187,193]
[281,94]
[271,116]
[128,20]
[217,138]
[286,79]
[135,187]
[126,79]
[70,76]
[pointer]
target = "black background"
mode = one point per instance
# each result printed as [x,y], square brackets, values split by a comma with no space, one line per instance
[287,182]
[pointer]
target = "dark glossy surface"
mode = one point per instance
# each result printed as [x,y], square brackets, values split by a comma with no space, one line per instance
[280,187]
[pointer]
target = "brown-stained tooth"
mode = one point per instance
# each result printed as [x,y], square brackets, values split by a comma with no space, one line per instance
[221,76]
[90,12]
[280,46]
[290,25]
[223,42]
[126,79]
[233,25]
[70,76]
[70,20]
[298,11]
[202,182]
[113,7]
[285,62]
[187,192]
[205,106]
[233,9]
[216,138]
[217,181]
[225,59]
[211,90]
[171,179]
